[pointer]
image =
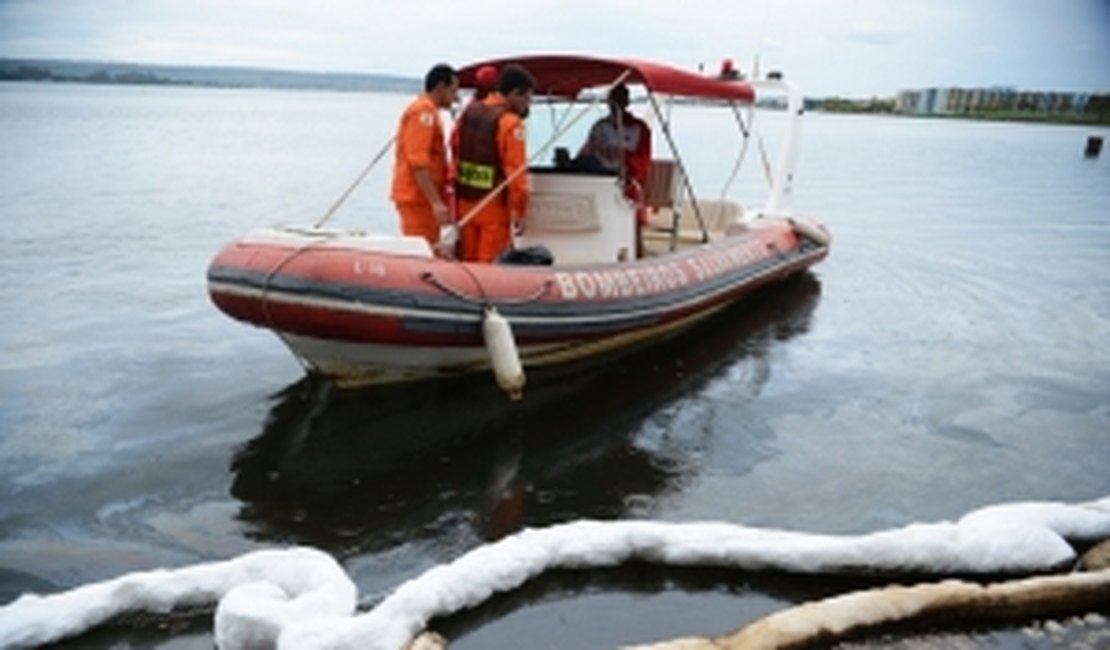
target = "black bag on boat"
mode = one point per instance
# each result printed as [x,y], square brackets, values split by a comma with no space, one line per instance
[527,256]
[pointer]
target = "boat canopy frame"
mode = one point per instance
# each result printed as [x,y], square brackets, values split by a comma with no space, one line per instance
[573,78]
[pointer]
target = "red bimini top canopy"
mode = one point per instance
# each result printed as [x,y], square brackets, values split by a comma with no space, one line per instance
[568,75]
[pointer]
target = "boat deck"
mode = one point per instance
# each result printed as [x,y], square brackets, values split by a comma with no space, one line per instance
[664,234]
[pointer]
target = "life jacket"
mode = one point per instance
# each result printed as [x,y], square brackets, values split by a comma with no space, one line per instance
[479,169]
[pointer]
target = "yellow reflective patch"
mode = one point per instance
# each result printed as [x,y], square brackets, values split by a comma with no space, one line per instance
[476,176]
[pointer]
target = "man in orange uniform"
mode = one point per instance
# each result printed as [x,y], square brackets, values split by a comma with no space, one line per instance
[485,81]
[492,148]
[420,166]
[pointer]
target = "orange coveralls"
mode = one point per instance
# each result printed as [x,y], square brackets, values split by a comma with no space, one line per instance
[419,144]
[488,234]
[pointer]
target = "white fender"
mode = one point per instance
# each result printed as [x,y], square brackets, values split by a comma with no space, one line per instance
[810,231]
[503,356]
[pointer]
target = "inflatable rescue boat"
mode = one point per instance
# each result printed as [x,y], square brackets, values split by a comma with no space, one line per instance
[376,308]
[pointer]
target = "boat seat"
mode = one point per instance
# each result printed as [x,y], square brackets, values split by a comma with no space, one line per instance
[667,225]
[717,215]
[661,186]
[660,198]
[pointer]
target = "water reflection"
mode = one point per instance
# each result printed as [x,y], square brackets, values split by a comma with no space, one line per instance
[634,603]
[357,471]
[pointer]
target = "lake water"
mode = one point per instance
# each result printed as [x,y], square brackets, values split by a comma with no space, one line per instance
[949,354]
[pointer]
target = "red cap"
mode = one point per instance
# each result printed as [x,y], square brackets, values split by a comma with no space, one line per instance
[486,77]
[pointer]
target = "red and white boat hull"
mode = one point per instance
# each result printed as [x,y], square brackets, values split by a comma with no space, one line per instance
[366,309]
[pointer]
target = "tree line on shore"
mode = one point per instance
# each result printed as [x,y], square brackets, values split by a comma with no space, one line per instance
[150,75]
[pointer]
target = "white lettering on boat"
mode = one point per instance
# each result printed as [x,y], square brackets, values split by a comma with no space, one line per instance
[719,262]
[369,268]
[657,278]
[620,283]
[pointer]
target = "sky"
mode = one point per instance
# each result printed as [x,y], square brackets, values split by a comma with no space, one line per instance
[848,48]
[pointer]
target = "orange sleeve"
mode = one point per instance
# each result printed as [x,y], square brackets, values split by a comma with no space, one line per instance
[419,129]
[511,143]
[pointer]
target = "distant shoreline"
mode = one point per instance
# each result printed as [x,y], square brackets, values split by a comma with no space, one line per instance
[136,74]
[987,116]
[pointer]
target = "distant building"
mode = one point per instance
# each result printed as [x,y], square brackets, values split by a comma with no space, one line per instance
[954,101]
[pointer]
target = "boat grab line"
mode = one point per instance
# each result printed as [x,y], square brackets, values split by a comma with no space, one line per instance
[431,279]
[278,296]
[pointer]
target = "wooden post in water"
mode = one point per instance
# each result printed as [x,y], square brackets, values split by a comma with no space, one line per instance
[1094,146]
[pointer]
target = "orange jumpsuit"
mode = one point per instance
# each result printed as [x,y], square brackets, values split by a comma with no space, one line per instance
[419,144]
[488,233]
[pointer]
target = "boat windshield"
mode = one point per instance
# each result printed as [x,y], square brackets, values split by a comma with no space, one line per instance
[557,130]
[704,134]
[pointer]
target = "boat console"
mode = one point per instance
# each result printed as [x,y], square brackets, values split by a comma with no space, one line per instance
[581,216]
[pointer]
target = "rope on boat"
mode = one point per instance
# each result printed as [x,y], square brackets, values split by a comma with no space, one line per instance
[766,161]
[745,130]
[361,177]
[266,302]
[484,300]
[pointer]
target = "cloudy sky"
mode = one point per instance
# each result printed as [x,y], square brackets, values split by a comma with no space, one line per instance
[854,48]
